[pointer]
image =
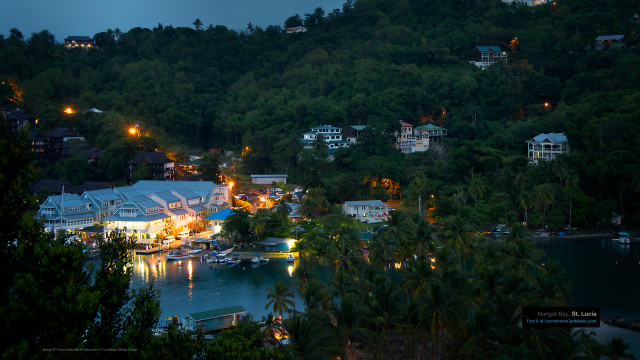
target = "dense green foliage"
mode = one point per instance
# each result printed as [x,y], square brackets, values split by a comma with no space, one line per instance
[372,63]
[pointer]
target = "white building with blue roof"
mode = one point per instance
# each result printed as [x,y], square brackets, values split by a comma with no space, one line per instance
[65,212]
[330,134]
[144,208]
[547,147]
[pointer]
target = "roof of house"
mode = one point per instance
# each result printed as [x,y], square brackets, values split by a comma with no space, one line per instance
[62,132]
[365,203]
[220,215]
[268,176]
[325,127]
[429,127]
[82,38]
[551,137]
[358,127]
[609,37]
[211,314]
[402,123]
[488,48]
[150,157]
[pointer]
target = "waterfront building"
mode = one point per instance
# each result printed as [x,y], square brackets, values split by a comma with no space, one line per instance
[145,209]
[213,320]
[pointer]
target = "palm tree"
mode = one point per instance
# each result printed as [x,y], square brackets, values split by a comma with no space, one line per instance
[314,336]
[281,298]
[197,24]
[457,235]
[546,196]
[283,209]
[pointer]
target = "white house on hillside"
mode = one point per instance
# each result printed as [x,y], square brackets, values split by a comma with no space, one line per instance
[369,211]
[547,147]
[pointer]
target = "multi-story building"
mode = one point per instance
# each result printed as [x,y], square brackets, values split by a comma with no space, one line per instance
[547,147]
[330,134]
[144,210]
[410,140]
[67,212]
[369,211]
[483,56]
[160,166]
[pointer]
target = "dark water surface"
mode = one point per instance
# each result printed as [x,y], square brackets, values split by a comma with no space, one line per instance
[603,273]
[193,285]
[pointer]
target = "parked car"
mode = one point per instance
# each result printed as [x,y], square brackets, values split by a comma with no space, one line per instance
[183,235]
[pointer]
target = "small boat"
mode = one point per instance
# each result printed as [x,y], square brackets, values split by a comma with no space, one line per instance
[195,251]
[178,255]
[290,258]
[220,259]
[264,260]
[211,257]
[624,238]
[256,258]
[234,260]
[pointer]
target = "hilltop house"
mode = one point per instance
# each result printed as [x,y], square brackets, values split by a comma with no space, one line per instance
[547,147]
[369,211]
[604,42]
[296,29]
[351,133]
[436,133]
[84,42]
[418,139]
[53,146]
[483,56]
[330,134]
[160,166]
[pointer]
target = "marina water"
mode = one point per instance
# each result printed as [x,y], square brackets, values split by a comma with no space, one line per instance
[603,272]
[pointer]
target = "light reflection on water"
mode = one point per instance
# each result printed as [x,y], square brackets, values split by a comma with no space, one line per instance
[194,285]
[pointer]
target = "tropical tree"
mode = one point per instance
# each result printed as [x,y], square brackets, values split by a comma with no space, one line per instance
[281,298]
[197,24]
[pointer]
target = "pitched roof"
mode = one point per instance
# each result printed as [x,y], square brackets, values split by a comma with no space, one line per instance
[220,215]
[150,157]
[609,37]
[365,203]
[81,38]
[429,127]
[551,137]
[488,48]
[205,315]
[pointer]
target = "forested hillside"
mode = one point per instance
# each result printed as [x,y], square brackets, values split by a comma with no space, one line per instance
[373,63]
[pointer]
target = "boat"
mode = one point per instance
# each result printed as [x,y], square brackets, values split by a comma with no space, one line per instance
[256,258]
[194,251]
[264,260]
[220,258]
[178,255]
[234,260]
[290,258]
[211,257]
[623,238]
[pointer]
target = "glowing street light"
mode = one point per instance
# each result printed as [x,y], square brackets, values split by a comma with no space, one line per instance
[69,110]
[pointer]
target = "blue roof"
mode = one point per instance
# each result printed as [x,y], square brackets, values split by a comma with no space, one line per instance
[552,137]
[167,196]
[220,215]
[143,218]
[487,48]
